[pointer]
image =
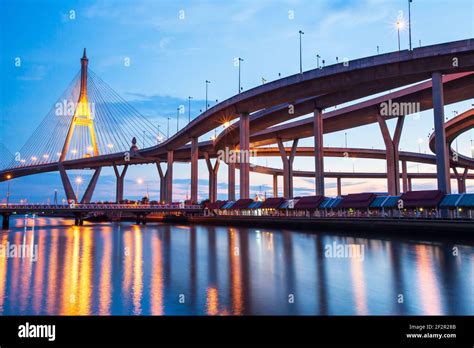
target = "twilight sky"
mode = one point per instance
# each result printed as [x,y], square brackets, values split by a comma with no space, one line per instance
[174,46]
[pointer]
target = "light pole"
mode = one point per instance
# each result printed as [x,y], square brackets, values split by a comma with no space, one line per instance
[240,60]
[177,120]
[317,60]
[168,131]
[207,83]
[399,26]
[345,139]
[301,53]
[8,188]
[189,109]
[409,22]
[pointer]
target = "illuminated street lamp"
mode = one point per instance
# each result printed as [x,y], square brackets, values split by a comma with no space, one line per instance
[400,25]
[8,188]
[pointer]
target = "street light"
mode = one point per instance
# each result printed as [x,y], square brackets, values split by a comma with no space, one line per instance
[207,83]
[168,131]
[177,120]
[317,59]
[8,188]
[189,108]
[409,22]
[240,60]
[301,58]
[400,25]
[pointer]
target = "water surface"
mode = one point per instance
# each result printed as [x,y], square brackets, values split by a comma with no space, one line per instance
[161,269]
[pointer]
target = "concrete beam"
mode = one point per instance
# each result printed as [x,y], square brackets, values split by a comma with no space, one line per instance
[213,170]
[120,177]
[194,169]
[391,150]
[169,177]
[244,155]
[68,190]
[442,161]
[318,152]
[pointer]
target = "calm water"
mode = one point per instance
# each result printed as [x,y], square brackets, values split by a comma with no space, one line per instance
[171,269]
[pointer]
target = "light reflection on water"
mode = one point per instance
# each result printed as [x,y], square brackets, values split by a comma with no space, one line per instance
[162,269]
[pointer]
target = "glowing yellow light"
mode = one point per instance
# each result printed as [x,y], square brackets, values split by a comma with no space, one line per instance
[421,209]
[139,181]
[9,176]
[74,151]
[226,124]
[213,137]
[110,146]
[45,155]
[78,180]
[34,158]
[460,209]
[89,148]
[400,24]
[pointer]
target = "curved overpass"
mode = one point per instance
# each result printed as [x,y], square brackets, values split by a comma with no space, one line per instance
[311,90]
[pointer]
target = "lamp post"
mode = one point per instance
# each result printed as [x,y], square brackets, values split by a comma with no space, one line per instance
[189,109]
[177,120]
[317,60]
[8,188]
[399,26]
[409,22]
[168,131]
[301,53]
[240,60]
[207,83]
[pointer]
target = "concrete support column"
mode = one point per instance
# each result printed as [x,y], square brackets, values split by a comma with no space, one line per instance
[339,187]
[318,152]
[68,190]
[391,146]
[91,187]
[275,185]
[194,169]
[461,179]
[120,180]
[212,177]
[5,221]
[231,181]
[287,167]
[169,177]
[442,161]
[404,176]
[162,182]
[409,185]
[244,155]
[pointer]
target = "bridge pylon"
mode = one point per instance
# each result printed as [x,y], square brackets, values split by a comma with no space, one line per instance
[83,116]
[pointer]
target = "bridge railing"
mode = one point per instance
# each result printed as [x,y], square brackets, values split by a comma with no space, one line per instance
[99,206]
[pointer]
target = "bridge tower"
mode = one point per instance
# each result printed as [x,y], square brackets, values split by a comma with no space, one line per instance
[82,114]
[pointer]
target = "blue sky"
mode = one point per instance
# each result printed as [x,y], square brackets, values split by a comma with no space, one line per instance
[174,46]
